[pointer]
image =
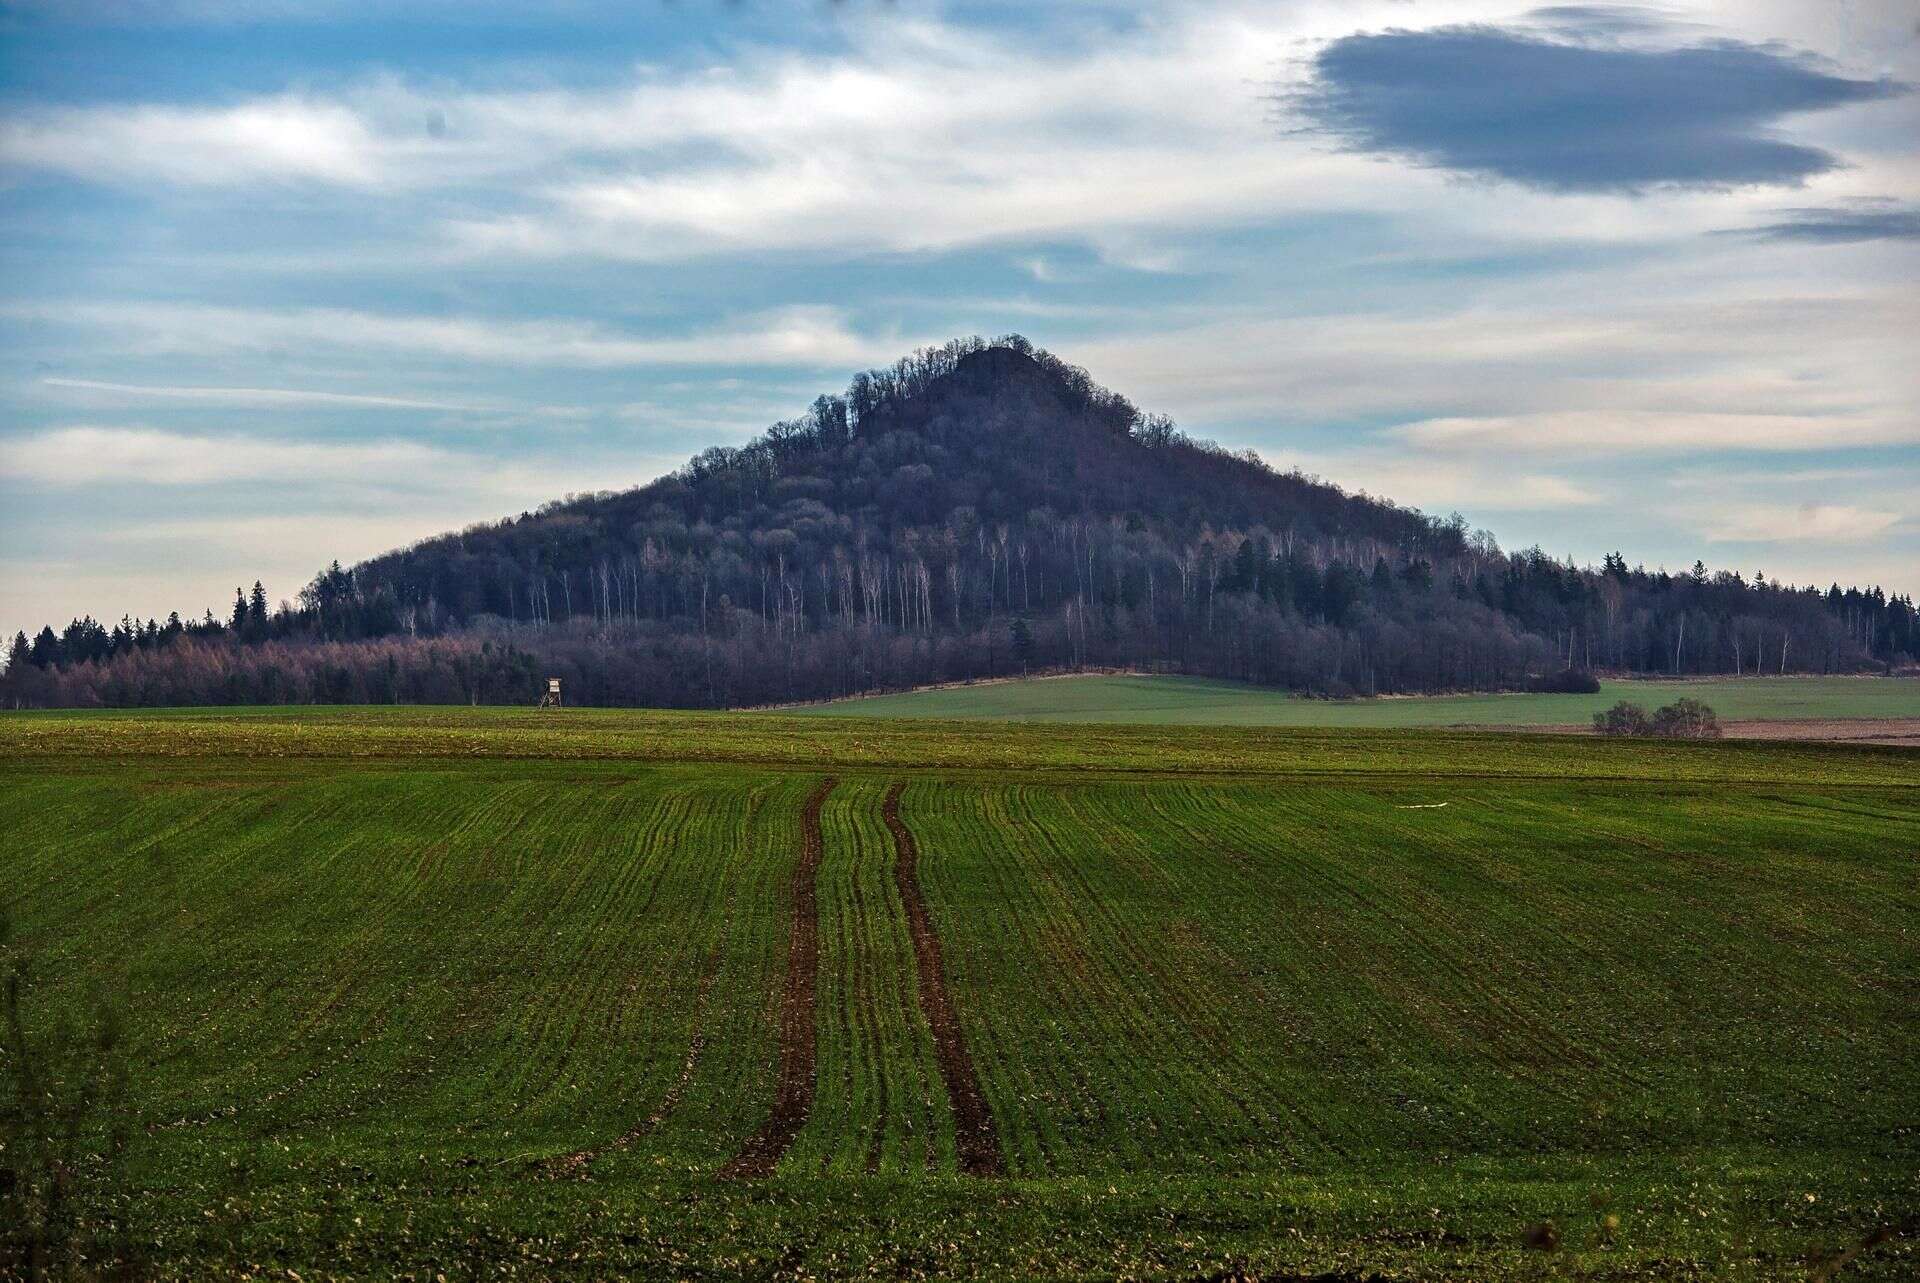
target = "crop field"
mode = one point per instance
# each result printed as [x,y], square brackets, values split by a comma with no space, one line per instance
[1200,702]
[488,993]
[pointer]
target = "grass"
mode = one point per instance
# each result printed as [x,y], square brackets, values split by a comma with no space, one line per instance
[1197,701]
[490,993]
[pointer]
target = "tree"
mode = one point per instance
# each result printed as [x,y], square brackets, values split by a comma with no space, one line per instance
[257,609]
[1337,594]
[1020,640]
[1686,719]
[1624,718]
[239,621]
[1246,574]
[19,655]
[1382,577]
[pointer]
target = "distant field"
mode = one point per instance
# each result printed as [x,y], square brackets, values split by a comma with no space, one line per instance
[1198,702]
[423,992]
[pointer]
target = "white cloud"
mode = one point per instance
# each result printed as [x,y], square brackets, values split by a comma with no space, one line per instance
[1611,433]
[258,397]
[1437,485]
[278,139]
[385,471]
[1827,523]
[88,455]
[792,336]
[1519,369]
[918,134]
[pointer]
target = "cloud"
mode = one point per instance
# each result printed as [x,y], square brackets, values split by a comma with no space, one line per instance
[1437,485]
[88,455]
[1587,21]
[1580,112]
[791,336]
[1550,366]
[1828,523]
[281,139]
[262,397]
[918,135]
[1568,433]
[1877,222]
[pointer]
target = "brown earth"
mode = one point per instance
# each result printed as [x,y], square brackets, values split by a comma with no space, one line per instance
[793,1098]
[974,1135]
[1899,732]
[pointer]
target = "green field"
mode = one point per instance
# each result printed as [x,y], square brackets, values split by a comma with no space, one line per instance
[1199,702]
[496,993]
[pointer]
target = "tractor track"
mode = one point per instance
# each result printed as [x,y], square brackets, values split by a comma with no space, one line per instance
[975,1138]
[793,1098]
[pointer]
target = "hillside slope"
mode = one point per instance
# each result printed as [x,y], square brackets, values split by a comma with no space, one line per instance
[974,510]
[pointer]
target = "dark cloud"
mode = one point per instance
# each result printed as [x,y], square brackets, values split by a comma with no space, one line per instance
[1573,111]
[1841,226]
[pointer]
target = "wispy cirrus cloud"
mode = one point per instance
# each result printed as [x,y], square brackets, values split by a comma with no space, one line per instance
[141,457]
[275,139]
[88,454]
[1617,432]
[1564,106]
[772,150]
[1826,523]
[790,336]
[251,397]
[1437,485]
[1526,373]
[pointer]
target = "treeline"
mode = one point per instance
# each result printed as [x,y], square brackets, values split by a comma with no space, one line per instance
[976,509]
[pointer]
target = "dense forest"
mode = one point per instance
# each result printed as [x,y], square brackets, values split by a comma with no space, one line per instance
[978,509]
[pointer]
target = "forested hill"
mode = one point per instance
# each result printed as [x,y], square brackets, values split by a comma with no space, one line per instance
[936,469]
[973,510]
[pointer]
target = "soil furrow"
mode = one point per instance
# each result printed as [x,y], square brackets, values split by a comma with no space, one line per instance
[793,1098]
[975,1138]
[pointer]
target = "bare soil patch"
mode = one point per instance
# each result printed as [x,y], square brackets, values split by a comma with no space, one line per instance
[793,1099]
[1900,732]
[974,1134]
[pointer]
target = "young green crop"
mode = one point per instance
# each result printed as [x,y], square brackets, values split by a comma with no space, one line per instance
[412,992]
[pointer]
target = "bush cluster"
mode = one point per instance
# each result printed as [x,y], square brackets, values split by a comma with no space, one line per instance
[1682,719]
[1568,681]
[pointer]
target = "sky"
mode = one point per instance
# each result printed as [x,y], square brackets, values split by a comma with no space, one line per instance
[286,281]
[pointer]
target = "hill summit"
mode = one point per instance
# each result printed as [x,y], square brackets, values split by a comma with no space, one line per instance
[976,509]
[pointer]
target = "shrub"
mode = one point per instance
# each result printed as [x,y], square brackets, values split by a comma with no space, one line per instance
[1623,719]
[1686,719]
[1568,681]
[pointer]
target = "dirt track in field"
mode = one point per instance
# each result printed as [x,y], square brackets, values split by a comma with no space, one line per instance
[1898,732]
[974,1135]
[793,1099]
